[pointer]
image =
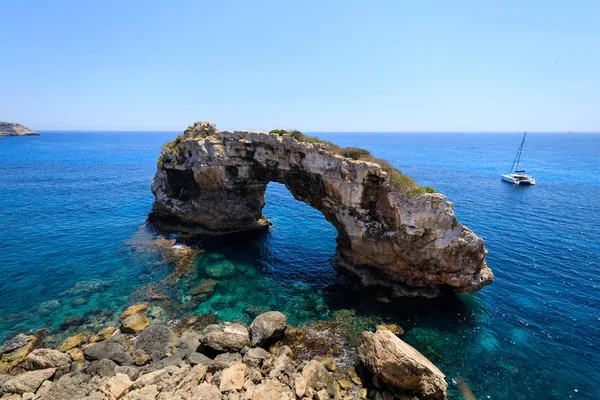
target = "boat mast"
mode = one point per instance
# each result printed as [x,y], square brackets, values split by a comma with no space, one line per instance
[515,165]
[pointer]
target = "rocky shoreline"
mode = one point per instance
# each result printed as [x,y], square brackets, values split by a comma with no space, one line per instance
[198,359]
[11,129]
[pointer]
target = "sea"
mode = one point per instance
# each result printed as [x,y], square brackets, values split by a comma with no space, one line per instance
[76,250]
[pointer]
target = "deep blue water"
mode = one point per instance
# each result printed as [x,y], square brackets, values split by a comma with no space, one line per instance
[75,244]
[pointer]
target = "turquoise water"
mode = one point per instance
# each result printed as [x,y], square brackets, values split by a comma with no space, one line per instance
[75,248]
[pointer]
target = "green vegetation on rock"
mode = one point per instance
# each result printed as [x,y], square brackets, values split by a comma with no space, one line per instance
[194,131]
[403,183]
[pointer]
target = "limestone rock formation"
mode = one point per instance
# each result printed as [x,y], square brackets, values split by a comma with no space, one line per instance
[10,129]
[213,182]
[401,366]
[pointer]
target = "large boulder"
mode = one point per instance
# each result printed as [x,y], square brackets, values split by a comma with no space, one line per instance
[267,328]
[155,339]
[46,358]
[70,386]
[134,323]
[111,348]
[318,378]
[188,344]
[27,382]
[226,337]
[400,366]
[233,378]
[104,368]
[255,357]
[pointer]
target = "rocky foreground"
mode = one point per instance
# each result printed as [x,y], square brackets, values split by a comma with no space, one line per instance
[218,361]
[10,129]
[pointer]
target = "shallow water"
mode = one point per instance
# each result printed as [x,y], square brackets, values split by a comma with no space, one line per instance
[76,248]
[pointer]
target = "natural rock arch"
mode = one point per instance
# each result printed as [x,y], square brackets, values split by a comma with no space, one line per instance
[213,182]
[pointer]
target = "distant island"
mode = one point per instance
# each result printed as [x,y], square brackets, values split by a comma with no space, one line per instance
[10,129]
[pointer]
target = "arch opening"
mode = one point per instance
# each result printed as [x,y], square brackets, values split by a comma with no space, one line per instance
[300,244]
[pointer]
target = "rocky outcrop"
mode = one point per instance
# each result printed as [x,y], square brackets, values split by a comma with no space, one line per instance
[247,373]
[10,129]
[402,367]
[213,182]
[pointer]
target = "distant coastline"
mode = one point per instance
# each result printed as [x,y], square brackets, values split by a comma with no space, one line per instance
[12,129]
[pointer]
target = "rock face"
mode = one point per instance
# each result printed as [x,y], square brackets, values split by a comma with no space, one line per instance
[9,129]
[213,182]
[401,366]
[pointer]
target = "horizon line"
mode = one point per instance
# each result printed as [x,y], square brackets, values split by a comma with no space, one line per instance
[310,131]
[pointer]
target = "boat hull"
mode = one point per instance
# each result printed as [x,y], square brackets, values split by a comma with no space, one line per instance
[516,179]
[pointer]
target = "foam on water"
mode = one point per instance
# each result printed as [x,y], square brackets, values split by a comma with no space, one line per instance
[76,251]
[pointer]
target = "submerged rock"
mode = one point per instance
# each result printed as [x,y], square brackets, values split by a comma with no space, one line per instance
[87,287]
[205,288]
[400,366]
[395,329]
[219,269]
[389,234]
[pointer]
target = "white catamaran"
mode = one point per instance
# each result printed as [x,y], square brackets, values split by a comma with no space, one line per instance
[518,176]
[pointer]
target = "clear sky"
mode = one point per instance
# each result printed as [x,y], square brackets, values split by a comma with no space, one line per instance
[311,65]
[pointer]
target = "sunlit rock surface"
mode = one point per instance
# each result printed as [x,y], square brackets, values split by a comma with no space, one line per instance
[213,182]
[10,129]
